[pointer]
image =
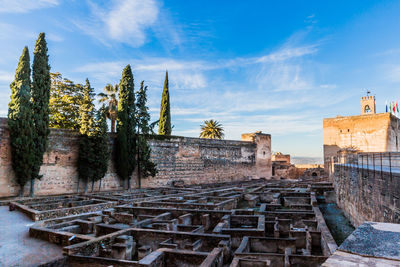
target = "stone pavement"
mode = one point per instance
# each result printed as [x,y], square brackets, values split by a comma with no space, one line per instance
[371,244]
[17,248]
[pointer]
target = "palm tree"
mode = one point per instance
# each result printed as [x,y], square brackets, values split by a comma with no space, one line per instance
[110,98]
[212,129]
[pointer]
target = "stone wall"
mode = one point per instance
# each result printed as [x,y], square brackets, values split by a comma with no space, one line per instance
[191,160]
[366,133]
[367,195]
[282,158]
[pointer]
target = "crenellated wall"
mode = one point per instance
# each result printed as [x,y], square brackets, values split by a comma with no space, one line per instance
[191,160]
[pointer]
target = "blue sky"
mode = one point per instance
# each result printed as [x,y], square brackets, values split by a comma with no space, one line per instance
[275,66]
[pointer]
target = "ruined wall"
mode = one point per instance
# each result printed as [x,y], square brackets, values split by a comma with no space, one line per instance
[366,133]
[282,158]
[191,160]
[286,171]
[367,195]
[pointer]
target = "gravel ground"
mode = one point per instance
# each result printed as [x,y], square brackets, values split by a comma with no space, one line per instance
[17,248]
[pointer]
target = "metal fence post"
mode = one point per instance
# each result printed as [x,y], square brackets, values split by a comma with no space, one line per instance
[381,167]
[373,162]
[390,166]
[362,165]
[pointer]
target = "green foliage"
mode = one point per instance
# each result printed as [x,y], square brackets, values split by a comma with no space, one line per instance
[143,116]
[212,129]
[85,159]
[101,145]
[93,145]
[94,151]
[125,155]
[164,126]
[145,166]
[86,111]
[65,99]
[20,122]
[40,92]
[110,99]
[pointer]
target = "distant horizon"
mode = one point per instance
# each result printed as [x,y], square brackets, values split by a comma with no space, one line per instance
[279,68]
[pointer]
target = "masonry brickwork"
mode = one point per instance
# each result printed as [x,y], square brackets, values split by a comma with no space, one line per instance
[367,194]
[191,160]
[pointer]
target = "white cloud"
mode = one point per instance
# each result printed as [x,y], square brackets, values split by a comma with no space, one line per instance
[128,20]
[288,53]
[54,37]
[184,80]
[284,77]
[25,6]
[7,30]
[190,74]
[6,77]
[278,93]
[124,21]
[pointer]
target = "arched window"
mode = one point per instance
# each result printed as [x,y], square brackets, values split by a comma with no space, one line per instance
[367,109]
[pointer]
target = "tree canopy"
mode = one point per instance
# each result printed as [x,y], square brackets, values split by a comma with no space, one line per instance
[125,156]
[65,99]
[145,166]
[20,122]
[110,99]
[212,129]
[40,92]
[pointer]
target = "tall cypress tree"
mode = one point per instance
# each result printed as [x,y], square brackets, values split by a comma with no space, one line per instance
[20,122]
[145,166]
[164,126]
[125,156]
[101,146]
[40,92]
[87,130]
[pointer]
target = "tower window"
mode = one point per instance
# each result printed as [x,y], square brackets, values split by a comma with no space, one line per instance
[367,109]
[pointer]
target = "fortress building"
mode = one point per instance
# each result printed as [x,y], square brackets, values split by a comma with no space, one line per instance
[368,132]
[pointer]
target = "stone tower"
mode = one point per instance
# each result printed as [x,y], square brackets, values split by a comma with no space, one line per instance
[368,105]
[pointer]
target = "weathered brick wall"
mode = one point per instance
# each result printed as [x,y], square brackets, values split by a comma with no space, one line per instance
[192,160]
[367,195]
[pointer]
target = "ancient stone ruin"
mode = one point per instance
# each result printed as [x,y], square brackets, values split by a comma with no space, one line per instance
[248,223]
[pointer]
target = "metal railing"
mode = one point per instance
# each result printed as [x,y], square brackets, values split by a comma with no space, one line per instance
[377,161]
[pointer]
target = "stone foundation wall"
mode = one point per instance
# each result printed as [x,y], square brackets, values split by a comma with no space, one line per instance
[191,160]
[367,195]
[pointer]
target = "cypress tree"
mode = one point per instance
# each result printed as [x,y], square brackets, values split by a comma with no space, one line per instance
[145,166]
[20,122]
[164,126]
[40,92]
[125,156]
[101,146]
[86,144]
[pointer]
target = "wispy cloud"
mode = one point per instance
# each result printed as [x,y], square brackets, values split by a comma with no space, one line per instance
[7,30]
[289,53]
[128,21]
[6,77]
[25,6]
[279,92]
